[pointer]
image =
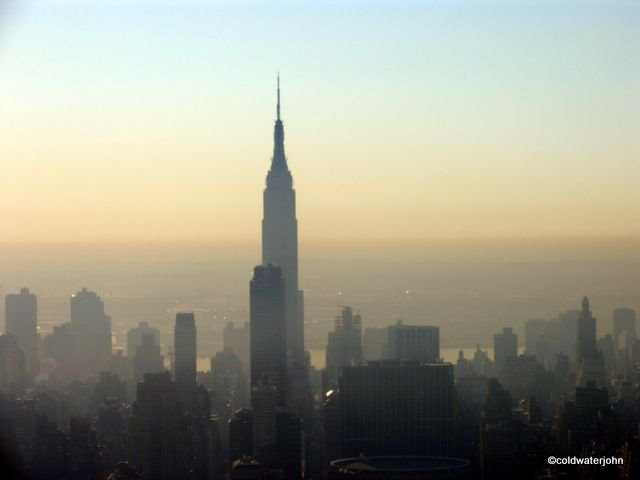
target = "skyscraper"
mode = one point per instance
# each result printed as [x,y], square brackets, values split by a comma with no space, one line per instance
[12,365]
[21,312]
[391,407]
[157,430]
[280,238]
[237,339]
[589,360]
[413,342]
[586,335]
[280,248]
[624,327]
[147,358]
[135,335]
[185,357]
[268,330]
[93,327]
[505,345]
[344,345]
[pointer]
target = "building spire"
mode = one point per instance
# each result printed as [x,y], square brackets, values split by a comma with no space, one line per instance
[278,95]
[279,160]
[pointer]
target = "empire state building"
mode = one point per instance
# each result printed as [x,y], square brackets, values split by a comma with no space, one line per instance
[280,239]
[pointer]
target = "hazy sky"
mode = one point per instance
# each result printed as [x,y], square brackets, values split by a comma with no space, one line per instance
[152,120]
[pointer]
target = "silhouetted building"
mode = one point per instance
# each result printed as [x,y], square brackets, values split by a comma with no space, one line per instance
[12,365]
[498,437]
[82,450]
[185,357]
[289,441]
[280,248]
[586,334]
[63,346]
[229,379]
[624,336]
[280,238]
[237,339]
[624,325]
[135,336]
[374,343]
[391,408]
[93,327]
[505,345]
[344,345]
[524,376]
[533,331]
[21,313]
[268,330]
[241,435]
[264,402]
[157,430]
[589,360]
[412,342]
[148,358]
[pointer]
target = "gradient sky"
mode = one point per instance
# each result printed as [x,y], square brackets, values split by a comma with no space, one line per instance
[129,121]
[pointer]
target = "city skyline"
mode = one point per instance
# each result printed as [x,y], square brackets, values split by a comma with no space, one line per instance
[466,173]
[461,122]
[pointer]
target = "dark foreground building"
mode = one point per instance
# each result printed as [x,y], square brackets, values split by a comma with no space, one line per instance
[391,408]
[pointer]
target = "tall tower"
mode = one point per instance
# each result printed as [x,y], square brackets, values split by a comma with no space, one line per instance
[586,341]
[589,360]
[268,344]
[280,238]
[22,322]
[93,327]
[185,361]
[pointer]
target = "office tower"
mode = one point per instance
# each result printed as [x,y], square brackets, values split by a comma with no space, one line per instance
[586,333]
[264,402]
[82,450]
[185,357]
[505,345]
[134,337]
[147,358]
[374,343]
[280,238]
[241,435]
[624,336]
[93,329]
[49,450]
[606,347]
[589,360]
[390,408]
[229,379]
[344,345]
[524,377]
[413,342]
[498,434]
[289,441]
[280,248]
[268,330]
[624,321]
[63,346]
[157,430]
[21,312]
[533,331]
[12,365]
[237,339]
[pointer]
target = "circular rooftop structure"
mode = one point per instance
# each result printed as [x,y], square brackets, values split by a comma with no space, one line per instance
[399,468]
